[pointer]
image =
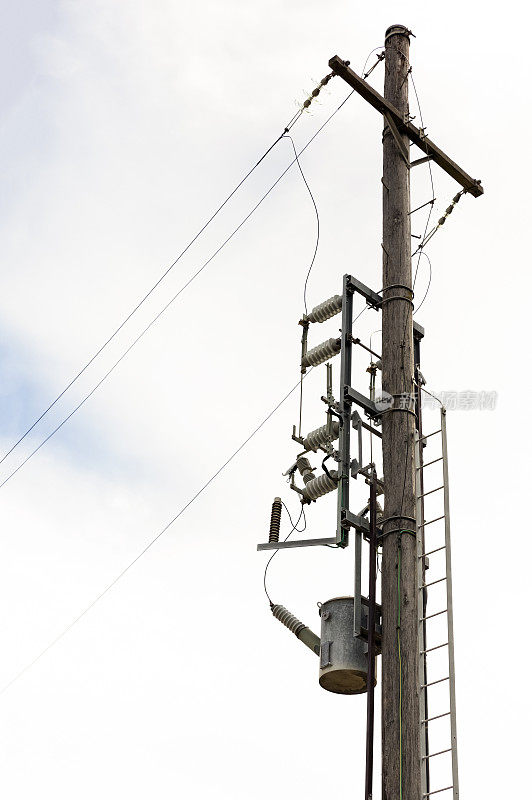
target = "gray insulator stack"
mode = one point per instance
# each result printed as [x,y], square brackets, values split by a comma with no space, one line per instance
[321,353]
[321,485]
[320,436]
[297,627]
[275,521]
[292,623]
[329,308]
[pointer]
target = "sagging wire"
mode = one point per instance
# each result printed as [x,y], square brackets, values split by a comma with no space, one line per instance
[433,199]
[172,300]
[150,544]
[294,525]
[294,528]
[422,253]
[380,58]
[365,74]
[317,223]
[167,271]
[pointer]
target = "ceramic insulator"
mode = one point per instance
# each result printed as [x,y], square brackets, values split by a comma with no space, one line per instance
[321,485]
[292,623]
[319,437]
[321,353]
[329,308]
[275,521]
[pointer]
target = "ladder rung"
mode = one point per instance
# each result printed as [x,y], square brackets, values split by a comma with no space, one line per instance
[437,614]
[439,716]
[431,552]
[430,462]
[430,649]
[430,434]
[426,585]
[424,524]
[440,680]
[428,794]
[431,491]
[439,753]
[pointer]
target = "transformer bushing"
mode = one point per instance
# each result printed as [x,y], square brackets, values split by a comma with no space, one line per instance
[343,658]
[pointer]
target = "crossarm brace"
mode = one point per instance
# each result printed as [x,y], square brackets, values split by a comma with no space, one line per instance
[404,126]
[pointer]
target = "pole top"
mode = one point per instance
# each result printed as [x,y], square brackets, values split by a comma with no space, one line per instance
[397,30]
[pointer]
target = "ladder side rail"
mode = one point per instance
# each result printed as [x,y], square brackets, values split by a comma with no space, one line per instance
[422,663]
[449,586]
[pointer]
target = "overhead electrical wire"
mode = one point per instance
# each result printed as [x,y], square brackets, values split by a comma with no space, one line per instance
[171,301]
[433,199]
[317,224]
[294,528]
[422,253]
[150,544]
[167,271]
[365,74]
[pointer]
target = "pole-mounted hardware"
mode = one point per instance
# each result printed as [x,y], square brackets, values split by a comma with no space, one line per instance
[354,629]
[298,628]
[398,124]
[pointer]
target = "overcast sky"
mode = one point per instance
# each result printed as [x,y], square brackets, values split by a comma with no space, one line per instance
[123,126]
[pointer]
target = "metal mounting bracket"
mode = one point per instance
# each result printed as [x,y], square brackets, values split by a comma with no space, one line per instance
[416,135]
[401,146]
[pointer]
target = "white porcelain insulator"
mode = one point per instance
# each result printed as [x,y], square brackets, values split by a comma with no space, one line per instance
[329,308]
[320,486]
[317,438]
[321,353]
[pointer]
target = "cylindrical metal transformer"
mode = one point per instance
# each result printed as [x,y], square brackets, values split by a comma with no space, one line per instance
[343,658]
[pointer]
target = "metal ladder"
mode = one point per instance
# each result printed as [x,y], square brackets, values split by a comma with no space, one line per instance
[424,620]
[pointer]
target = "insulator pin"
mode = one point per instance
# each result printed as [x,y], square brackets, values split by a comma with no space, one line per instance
[275,521]
[321,485]
[329,308]
[321,353]
[320,436]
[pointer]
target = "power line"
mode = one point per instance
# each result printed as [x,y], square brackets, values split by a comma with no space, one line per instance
[150,544]
[294,528]
[422,253]
[317,224]
[165,308]
[432,201]
[289,125]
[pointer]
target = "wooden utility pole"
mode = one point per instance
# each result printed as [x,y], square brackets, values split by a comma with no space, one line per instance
[401,769]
